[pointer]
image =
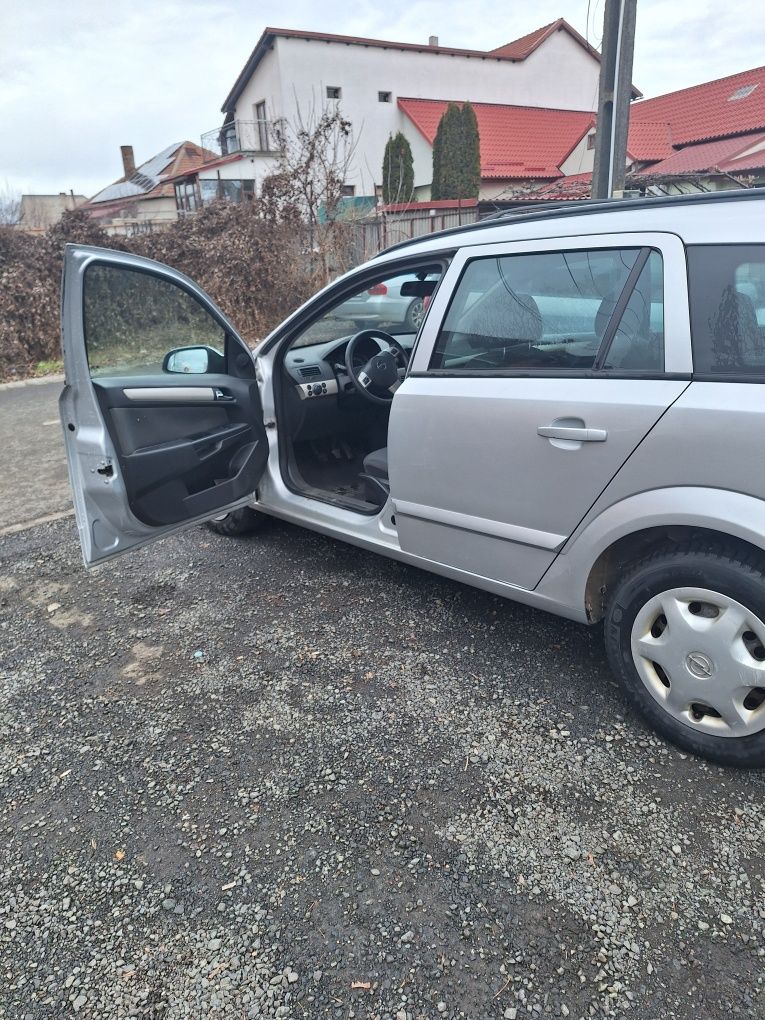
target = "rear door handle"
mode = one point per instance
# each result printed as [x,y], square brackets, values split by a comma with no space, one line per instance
[575,434]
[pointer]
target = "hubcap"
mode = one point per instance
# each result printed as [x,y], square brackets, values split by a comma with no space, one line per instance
[701,656]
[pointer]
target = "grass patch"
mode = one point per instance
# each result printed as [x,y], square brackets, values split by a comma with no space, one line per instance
[54,366]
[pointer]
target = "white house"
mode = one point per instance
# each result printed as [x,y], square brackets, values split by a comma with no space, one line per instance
[292,72]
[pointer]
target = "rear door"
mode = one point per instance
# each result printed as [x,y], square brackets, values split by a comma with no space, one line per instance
[161,410]
[541,367]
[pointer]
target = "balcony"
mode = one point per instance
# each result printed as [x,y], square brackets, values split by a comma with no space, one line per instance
[240,136]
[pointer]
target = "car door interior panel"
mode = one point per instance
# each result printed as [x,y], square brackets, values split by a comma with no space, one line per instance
[180,458]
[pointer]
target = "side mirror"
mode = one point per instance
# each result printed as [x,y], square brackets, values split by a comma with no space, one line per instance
[190,360]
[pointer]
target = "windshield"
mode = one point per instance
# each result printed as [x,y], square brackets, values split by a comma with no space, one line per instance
[395,304]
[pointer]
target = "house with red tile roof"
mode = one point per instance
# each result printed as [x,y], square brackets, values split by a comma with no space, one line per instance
[144,198]
[550,76]
[519,145]
[708,137]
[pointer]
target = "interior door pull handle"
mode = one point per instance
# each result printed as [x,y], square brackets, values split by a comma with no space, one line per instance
[577,435]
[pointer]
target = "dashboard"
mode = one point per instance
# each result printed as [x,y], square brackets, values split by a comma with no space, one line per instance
[320,397]
[319,370]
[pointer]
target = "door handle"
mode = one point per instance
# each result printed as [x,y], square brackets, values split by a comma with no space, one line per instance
[573,433]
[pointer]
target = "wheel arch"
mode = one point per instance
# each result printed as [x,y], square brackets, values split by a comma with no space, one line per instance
[606,543]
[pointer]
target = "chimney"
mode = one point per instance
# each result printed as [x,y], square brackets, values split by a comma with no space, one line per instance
[433,40]
[128,161]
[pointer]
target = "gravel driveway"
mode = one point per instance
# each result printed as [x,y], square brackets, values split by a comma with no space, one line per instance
[279,777]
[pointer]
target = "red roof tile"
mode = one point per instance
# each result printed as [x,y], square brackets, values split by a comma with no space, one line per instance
[704,112]
[517,142]
[649,140]
[718,155]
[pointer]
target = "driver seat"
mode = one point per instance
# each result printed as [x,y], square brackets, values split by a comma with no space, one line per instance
[376,464]
[375,477]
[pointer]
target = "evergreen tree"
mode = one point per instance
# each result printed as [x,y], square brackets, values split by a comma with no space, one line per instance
[456,154]
[398,170]
[471,154]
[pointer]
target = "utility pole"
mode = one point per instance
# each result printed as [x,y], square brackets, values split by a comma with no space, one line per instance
[615,93]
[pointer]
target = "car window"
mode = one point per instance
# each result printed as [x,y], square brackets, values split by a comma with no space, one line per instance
[638,343]
[549,311]
[727,298]
[388,304]
[133,319]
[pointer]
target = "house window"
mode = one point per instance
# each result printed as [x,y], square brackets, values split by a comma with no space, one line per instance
[591,141]
[348,190]
[262,125]
[383,97]
[334,92]
[186,197]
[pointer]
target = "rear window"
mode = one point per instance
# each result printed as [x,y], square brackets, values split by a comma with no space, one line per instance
[727,296]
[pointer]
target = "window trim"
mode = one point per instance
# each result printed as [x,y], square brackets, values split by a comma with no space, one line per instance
[677,338]
[621,303]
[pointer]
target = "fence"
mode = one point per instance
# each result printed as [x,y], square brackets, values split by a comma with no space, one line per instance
[374,233]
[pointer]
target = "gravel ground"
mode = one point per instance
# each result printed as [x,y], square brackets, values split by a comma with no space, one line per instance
[278,777]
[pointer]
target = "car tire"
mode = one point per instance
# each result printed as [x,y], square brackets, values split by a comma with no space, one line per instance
[239,522]
[415,313]
[680,673]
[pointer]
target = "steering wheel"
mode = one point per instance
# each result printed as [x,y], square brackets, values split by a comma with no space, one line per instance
[381,372]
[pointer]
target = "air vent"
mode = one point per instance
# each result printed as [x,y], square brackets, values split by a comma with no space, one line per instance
[310,371]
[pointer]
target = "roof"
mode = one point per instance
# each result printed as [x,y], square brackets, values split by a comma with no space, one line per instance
[150,179]
[728,155]
[515,51]
[517,142]
[521,48]
[734,105]
[573,188]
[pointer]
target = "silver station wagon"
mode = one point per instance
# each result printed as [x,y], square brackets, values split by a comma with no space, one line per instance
[575,422]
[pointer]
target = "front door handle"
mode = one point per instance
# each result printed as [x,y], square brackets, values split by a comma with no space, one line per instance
[573,433]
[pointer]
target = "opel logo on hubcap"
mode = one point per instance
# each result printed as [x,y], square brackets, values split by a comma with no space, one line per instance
[700,665]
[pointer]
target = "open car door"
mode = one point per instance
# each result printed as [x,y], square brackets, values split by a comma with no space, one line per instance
[161,411]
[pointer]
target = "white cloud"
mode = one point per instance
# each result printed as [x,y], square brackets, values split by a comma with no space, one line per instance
[79,79]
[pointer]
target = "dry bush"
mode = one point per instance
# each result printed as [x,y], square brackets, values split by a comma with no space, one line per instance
[254,267]
[30,279]
[257,267]
[258,261]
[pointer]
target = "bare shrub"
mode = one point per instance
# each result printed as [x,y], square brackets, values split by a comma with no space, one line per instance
[258,261]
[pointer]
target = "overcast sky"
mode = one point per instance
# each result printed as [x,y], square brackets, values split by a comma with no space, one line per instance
[78,78]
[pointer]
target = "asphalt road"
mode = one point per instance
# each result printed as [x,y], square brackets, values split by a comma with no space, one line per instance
[33,476]
[280,777]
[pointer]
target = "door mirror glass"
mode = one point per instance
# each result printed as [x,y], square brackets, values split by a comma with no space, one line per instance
[189,360]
